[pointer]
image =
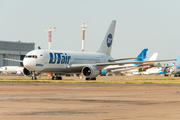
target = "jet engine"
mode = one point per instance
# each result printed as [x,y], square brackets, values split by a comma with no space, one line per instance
[28,73]
[165,69]
[173,69]
[90,71]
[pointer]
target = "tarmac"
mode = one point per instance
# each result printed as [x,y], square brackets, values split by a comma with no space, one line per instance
[89,101]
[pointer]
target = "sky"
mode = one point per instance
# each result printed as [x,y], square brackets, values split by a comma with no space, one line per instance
[152,24]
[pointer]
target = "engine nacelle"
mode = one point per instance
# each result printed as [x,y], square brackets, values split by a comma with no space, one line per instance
[165,69]
[173,69]
[28,73]
[90,71]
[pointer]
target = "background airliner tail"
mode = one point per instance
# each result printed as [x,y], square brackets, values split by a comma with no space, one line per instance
[153,57]
[141,56]
[108,40]
[175,62]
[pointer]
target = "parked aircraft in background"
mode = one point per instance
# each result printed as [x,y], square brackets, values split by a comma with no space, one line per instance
[58,61]
[119,68]
[173,68]
[11,69]
[150,64]
[135,70]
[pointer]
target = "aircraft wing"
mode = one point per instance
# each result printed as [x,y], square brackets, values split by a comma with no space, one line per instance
[124,69]
[13,60]
[102,65]
[113,60]
[119,67]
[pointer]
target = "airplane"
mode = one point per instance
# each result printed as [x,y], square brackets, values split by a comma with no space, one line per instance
[150,64]
[145,66]
[89,64]
[172,68]
[119,68]
[12,69]
[133,68]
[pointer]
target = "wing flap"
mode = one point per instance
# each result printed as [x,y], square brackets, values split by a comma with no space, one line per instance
[113,60]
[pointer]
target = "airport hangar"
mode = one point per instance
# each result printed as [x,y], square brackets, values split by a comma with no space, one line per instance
[14,50]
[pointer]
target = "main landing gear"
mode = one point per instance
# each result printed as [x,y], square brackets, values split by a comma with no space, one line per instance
[90,78]
[56,77]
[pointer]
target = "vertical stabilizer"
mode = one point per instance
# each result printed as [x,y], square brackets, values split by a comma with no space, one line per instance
[141,56]
[153,57]
[108,40]
[175,62]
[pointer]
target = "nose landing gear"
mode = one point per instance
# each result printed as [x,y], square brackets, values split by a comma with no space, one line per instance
[34,76]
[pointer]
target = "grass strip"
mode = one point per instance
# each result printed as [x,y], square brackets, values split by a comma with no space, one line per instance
[170,80]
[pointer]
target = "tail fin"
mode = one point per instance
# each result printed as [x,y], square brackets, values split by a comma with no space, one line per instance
[175,62]
[108,40]
[153,57]
[142,55]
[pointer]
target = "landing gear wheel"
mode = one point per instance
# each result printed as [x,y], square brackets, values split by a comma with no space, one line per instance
[93,79]
[90,78]
[34,78]
[52,78]
[87,78]
[59,78]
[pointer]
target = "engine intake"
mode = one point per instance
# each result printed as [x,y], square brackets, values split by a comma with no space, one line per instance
[90,71]
[28,73]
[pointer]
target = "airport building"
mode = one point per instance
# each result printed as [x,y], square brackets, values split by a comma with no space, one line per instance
[14,50]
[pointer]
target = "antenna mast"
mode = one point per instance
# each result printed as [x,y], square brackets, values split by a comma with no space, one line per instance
[83,26]
[49,35]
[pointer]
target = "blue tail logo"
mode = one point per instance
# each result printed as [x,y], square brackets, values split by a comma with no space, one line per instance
[175,62]
[142,55]
[109,40]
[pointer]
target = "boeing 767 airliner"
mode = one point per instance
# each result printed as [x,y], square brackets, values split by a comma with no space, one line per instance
[89,64]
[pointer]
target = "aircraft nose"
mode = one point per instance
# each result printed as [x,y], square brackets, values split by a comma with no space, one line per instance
[29,64]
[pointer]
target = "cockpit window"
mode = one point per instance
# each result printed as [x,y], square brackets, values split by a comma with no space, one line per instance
[31,56]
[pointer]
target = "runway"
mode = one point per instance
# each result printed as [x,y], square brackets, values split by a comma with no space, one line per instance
[87,101]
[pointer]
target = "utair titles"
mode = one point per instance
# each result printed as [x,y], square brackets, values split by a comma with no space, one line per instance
[59,58]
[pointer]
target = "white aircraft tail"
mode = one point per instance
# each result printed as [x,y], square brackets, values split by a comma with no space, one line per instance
[108,40]
[153,57]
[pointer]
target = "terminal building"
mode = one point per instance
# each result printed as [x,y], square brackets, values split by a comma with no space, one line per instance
[14,50]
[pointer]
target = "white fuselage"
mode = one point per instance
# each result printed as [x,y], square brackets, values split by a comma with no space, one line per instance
[154,70]
[54,61]
[11,69]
